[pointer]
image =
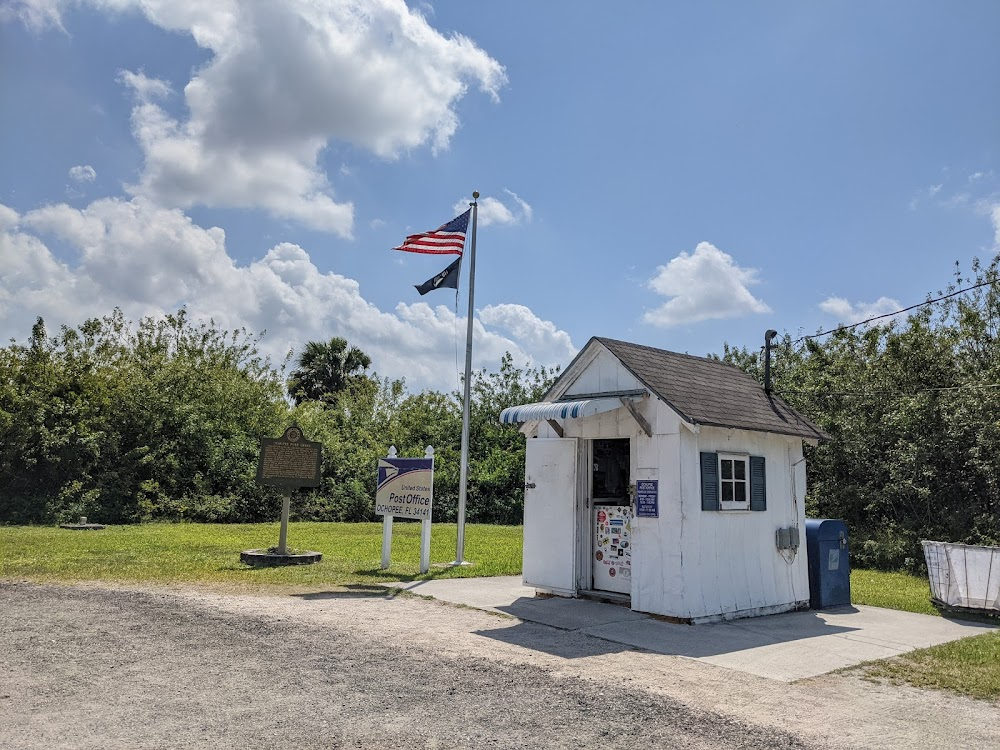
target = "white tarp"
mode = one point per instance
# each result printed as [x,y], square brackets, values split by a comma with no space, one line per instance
[962,575]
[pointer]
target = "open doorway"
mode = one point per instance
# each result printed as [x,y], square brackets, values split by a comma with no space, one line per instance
[611,520]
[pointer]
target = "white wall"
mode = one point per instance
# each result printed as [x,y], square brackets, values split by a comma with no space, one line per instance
[729,559]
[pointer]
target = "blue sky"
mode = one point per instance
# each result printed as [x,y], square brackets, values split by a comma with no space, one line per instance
[674,174]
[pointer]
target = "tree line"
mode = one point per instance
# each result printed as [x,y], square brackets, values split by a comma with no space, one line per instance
[161,420]
[912,407]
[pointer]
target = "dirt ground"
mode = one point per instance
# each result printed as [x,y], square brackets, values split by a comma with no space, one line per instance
[112,667]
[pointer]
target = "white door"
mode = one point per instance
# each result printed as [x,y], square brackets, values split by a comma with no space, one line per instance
[550,514]
[613,548]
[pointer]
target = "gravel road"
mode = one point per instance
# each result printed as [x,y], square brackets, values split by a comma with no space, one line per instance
[95,667]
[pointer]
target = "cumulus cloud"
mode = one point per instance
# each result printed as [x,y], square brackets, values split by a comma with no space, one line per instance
[494,211]
[846,313]
[284,80]
[83,173]
[146,89]
[35,14]
[995,217]
[8,217]
[530,331]
[705,285]
[148,259]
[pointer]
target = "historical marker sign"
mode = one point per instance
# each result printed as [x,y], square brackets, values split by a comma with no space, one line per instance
[289,461]
[647,498]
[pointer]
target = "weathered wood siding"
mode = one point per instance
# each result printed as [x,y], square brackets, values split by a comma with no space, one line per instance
[691,563]
[731,565]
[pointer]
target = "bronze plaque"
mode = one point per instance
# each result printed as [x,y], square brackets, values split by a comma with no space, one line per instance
[290,461]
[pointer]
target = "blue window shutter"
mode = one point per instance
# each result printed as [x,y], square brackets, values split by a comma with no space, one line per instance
[758,484]
[709,481]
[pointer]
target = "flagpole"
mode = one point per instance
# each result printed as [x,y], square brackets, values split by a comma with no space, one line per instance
[464,472]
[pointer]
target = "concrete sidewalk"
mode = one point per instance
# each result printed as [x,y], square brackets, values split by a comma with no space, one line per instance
[782,647]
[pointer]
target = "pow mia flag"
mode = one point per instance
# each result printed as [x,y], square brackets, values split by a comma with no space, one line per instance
[448,278]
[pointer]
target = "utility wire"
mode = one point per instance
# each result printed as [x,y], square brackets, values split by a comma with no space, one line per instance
[968,387]
[889,315]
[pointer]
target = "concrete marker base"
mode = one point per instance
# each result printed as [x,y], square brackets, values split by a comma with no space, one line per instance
[261,558]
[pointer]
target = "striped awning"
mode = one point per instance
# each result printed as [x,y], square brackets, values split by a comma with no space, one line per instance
[561,409]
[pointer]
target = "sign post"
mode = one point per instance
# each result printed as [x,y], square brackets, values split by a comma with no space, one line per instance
[289,462]
[406,489]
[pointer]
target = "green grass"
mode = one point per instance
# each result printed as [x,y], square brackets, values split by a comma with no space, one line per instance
[209,554]
[892,591]
[970,666]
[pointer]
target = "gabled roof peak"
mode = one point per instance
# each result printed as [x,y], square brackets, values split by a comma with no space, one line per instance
[705,391]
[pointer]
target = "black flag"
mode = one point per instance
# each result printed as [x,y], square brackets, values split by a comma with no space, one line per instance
[447,278]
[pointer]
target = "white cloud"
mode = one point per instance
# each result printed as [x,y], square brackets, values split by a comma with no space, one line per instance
[150,260]
[995,217]
[530,331]
[83,173]
[705,285]
[146,89]
[8,217]
[847,313]
[494,211]
[35,14]
[284,80]
[525,209]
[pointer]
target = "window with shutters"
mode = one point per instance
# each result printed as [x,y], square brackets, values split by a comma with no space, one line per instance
[733,481]
[734,474]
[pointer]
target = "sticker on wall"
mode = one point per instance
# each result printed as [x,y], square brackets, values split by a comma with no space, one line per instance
[599,555]
[602,516]
[611,572]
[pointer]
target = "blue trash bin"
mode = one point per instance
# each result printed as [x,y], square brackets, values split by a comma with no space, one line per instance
[829,563]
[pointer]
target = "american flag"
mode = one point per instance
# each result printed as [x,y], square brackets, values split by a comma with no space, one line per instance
[447,239]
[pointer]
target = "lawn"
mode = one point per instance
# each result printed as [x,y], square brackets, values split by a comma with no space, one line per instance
[970,666]
[210,553]
[892,591]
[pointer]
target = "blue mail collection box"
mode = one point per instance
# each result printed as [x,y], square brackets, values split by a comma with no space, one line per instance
[829,563]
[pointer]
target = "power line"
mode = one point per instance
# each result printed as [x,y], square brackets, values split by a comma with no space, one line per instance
[967,387]
[889,315]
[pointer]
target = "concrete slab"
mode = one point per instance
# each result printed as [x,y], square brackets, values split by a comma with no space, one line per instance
[481,593]
[784,647]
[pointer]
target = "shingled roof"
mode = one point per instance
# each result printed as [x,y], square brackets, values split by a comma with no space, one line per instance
[709,392]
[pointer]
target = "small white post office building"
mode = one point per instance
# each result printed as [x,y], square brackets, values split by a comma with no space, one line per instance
[669,482]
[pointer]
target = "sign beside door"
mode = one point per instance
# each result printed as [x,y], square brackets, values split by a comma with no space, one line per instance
[647,498]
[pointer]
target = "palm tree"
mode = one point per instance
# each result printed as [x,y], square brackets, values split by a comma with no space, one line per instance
[325,368]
